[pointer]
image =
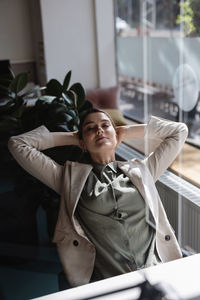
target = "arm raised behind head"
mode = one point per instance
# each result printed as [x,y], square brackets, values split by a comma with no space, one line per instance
[164,137]
[26,149]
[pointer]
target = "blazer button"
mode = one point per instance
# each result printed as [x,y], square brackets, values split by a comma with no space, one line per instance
[75,243]
[167,237]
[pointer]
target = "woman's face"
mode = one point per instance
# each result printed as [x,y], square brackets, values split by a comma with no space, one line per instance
[98,133]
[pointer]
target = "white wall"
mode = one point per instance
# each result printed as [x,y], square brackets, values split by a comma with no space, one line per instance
[15,31]
[79,36]
[105,35]
[69,40]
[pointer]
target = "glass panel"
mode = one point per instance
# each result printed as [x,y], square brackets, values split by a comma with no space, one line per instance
[152,62]
[158,71]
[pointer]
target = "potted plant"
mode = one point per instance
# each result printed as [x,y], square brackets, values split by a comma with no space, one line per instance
[58,108]
[64,102]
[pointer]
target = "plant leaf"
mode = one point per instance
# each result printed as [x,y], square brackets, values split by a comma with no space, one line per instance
[45,99]
[67,80]
[74,128]
[34,91]
[54,88]
[72,113]
[71,95]
[68,100]
[75,121]
[58,110]
[7,106]
[19,83]
[68,117]
[62,127]
[80,92]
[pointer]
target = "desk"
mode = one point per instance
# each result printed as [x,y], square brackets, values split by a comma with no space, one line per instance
[180,277]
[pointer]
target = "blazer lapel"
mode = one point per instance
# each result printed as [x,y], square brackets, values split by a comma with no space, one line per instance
[140,180]
[79,174]
[133,172]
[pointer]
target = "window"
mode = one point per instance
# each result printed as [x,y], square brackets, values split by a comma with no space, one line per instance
[157,58]
[157,45]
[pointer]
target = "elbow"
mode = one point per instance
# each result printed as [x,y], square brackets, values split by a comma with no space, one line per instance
[184,130]
[11,143]
[181,134]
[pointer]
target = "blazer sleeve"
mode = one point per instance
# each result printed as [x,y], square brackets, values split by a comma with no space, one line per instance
[26,149]
[172,136]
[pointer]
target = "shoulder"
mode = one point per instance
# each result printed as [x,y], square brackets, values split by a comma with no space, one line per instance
[75,165]
[133,163]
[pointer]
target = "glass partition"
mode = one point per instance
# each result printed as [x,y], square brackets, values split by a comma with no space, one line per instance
[157,46]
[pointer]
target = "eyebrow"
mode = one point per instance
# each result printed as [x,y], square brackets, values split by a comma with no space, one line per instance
[91,122]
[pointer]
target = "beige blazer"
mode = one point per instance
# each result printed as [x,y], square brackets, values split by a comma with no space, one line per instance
[76,252]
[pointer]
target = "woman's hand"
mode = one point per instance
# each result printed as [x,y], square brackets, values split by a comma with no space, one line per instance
[130,131]
[121,134]
[75,138]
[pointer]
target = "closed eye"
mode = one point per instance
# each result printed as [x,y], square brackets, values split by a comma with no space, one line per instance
[90,128]
[106,125]
[93,128]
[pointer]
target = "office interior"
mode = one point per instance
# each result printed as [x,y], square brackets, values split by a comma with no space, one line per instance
[143,57]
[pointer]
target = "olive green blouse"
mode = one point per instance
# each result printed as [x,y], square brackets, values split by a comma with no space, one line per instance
[112,214]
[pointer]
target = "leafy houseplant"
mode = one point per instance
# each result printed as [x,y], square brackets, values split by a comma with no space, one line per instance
[59,109]
[12,111]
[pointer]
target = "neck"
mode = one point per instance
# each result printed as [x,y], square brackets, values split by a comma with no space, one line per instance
[103,158]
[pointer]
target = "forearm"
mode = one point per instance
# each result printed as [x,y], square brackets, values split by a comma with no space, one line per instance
[132,131]
[26,149]
[135,131]
[172,136]
[41,138]
[65,138]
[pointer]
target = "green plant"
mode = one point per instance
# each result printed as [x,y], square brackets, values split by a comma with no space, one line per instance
[59,109]
[11,112]
[190,17]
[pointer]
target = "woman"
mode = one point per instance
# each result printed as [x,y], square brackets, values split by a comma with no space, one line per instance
[103,229]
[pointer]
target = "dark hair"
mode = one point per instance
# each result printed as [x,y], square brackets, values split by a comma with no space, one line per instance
[85,114]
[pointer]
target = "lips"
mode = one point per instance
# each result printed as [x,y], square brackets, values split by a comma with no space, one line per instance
[100,138]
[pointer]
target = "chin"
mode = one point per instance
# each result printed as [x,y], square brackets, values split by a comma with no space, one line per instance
[104,148]
[104,144]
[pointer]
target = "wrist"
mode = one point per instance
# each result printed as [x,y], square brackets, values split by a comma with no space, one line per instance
[75,138]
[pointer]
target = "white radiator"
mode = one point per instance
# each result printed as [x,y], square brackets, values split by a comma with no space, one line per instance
[177,195]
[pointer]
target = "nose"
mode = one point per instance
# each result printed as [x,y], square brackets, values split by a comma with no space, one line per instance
[99,130]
